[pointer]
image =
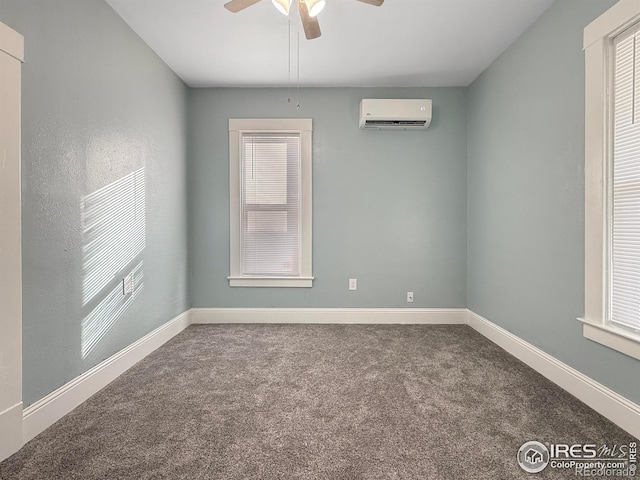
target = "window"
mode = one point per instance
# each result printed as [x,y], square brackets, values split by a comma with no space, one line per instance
[612,179]
[624,197]
[270,204]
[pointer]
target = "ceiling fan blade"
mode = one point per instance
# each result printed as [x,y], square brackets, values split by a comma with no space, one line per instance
[377,3]
[236,5]
[309,23]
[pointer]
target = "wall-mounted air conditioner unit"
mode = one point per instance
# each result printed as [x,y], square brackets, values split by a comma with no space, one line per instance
[395,114]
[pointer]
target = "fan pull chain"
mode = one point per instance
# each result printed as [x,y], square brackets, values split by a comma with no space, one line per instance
[298,92]
[633,84]
[289,52]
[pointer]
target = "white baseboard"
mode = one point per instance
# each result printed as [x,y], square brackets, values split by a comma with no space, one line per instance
[10,431]
[330,315]
[615,407]
[48,410]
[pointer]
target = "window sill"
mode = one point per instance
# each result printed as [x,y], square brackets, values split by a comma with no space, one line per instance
[287,282]
[616,338]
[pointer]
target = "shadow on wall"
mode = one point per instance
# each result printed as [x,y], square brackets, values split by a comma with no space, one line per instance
[113,230]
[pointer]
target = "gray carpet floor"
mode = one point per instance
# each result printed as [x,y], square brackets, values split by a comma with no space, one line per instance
[315,402]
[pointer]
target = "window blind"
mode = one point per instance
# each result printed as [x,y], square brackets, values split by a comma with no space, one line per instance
[270,206]
[624,258]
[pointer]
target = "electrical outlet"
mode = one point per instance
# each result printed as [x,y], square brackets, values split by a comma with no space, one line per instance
[127,284]
[353,284]
[409,297]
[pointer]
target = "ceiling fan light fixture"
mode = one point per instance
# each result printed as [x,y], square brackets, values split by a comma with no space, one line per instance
[315,6]
[282,6]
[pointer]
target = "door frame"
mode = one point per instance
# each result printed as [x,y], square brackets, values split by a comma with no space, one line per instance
[11,59]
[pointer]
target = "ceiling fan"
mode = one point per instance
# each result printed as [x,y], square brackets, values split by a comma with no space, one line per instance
[308,9]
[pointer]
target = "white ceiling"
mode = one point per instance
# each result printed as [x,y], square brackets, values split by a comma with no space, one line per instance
[412,43]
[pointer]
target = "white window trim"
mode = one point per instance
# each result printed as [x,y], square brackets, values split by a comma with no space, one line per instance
[597,39]
[238,126]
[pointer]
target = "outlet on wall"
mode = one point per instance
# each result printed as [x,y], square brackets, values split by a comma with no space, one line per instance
[127,284]
[409,297]
[353,284]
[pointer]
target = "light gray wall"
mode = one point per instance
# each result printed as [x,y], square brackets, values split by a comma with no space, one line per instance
[526,194]
[97,105]
[389,206]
